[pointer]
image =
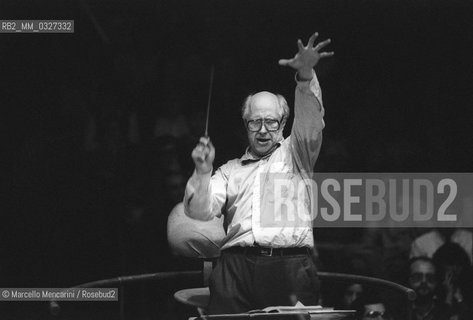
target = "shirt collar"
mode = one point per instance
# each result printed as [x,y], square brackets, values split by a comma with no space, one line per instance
[249,157]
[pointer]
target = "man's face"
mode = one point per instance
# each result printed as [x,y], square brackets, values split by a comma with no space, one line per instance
[264,105]
[374,311]
[351,293]
[422,278]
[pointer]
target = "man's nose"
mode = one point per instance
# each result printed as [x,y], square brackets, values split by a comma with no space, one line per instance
[263,128]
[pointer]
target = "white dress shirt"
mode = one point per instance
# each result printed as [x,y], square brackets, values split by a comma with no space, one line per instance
[255,194]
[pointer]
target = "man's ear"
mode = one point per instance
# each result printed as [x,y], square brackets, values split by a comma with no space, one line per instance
[244,124]
[283,123]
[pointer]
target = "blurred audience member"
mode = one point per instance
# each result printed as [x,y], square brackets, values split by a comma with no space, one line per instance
[423,279]
[391,242]
[428,243]
[371,306]
[352,292]
[453,267]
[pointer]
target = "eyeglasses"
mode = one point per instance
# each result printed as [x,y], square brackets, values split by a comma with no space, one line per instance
[374,315]
[419,276]
[269,124]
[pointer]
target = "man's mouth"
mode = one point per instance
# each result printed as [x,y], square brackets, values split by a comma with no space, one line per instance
[263,140]
[423,290]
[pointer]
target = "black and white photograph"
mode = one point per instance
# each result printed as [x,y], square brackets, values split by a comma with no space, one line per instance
[236,159]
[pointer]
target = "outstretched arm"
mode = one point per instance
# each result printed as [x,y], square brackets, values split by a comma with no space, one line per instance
[306,134]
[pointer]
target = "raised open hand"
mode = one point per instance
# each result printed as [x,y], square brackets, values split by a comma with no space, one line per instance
[307,57]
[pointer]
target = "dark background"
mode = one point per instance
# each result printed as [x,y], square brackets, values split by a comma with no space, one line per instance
[397,94]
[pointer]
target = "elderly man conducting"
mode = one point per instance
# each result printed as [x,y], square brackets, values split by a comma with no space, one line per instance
[266,254]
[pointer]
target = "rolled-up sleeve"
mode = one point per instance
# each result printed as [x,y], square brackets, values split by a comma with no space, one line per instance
[205,195]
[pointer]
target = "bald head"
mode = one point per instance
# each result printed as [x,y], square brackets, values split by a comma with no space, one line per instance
[267,101]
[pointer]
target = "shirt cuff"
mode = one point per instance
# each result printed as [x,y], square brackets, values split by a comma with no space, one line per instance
[196,188]
[304,81]
[310,86]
